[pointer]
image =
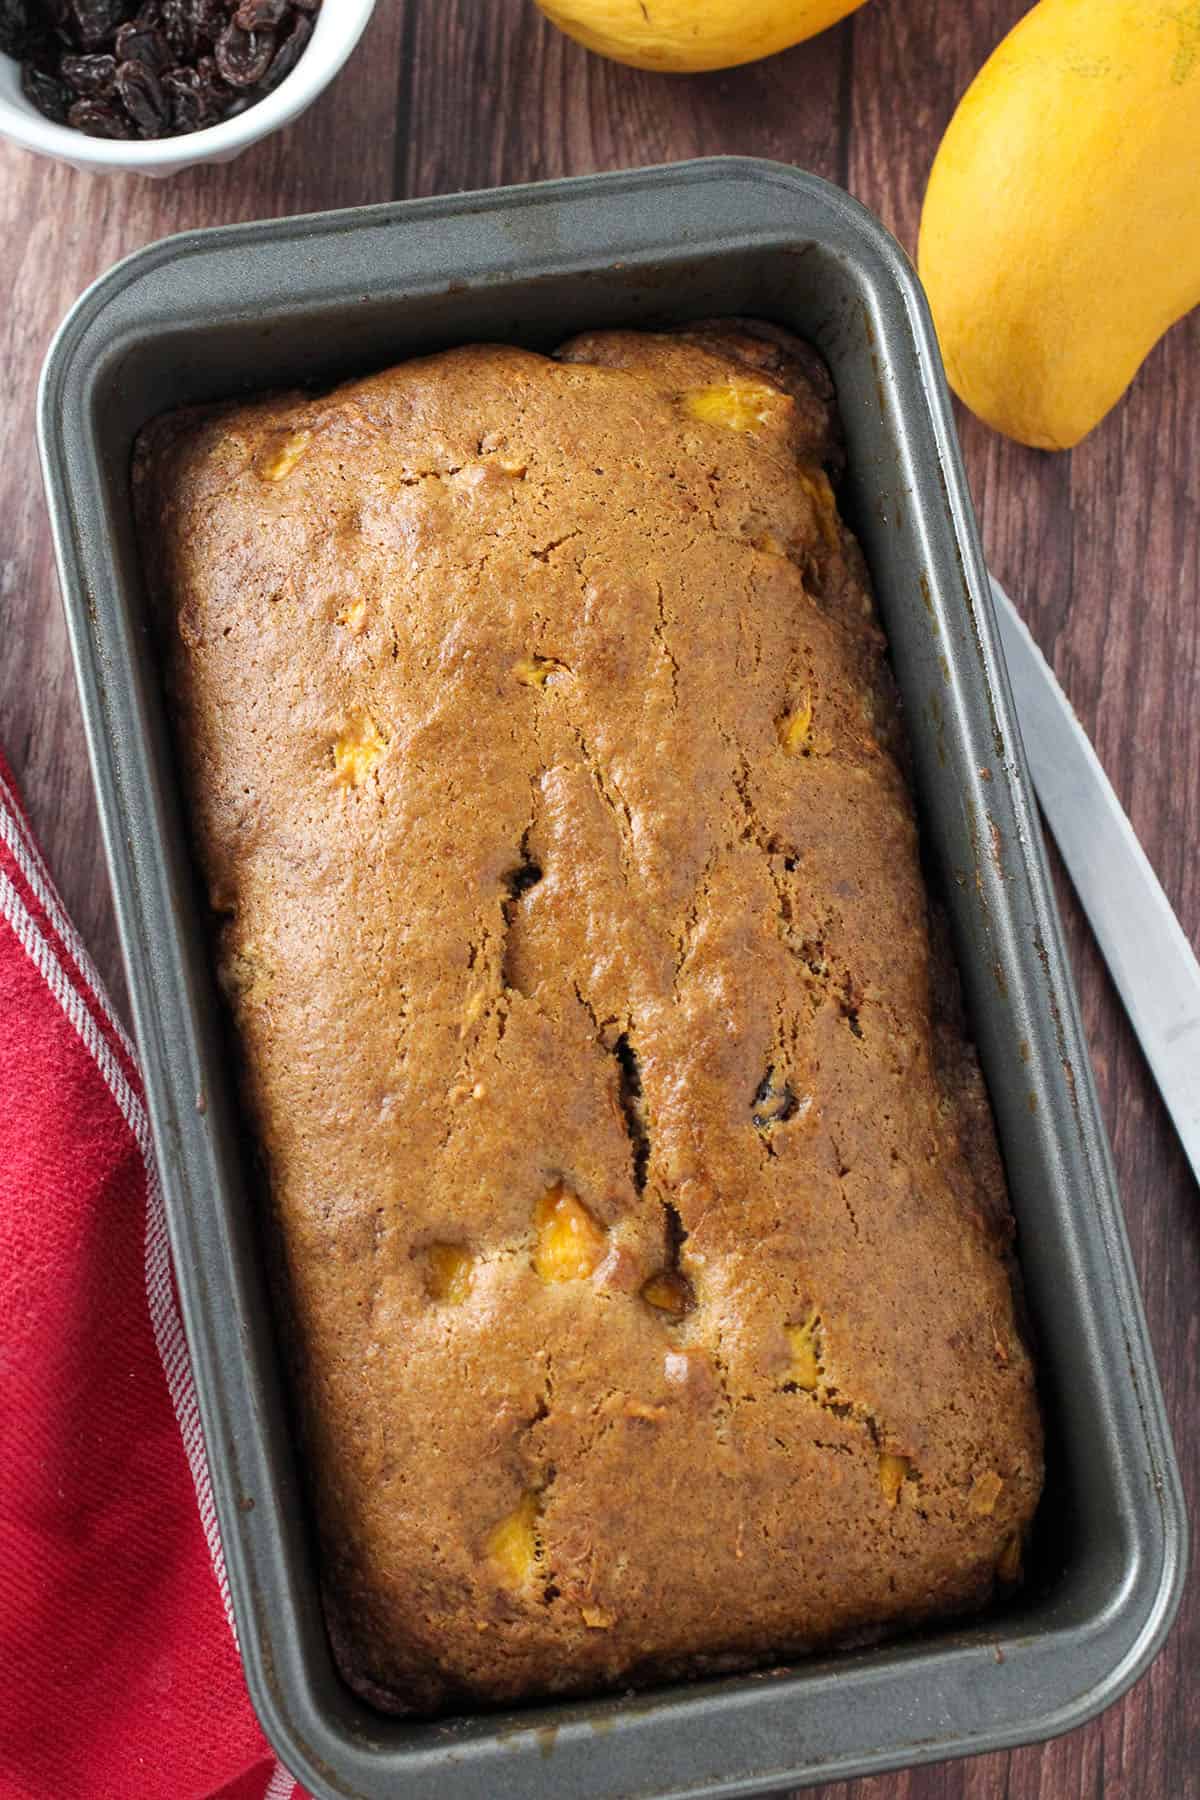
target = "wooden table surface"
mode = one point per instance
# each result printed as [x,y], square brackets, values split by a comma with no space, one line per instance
[1100,546]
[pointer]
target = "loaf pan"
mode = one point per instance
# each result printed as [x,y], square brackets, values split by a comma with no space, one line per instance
[226,312]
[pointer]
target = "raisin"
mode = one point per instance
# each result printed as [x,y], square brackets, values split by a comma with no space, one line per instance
[257,15]
[46,93]
[89,77]
[143,44]
[188,109]
[243,57]
[28,29]
[99,118]
[16,29]
[143,99]
[209,18]
[96,20]
[220,92]
[287,55]
[179,28]
[218,95]
[42,54]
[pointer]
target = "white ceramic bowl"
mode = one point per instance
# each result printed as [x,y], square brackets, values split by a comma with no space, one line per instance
[338,27]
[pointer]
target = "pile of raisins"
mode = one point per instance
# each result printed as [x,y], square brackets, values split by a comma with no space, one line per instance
[152,68]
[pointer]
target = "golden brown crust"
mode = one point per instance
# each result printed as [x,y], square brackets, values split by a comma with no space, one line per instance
[648,1297]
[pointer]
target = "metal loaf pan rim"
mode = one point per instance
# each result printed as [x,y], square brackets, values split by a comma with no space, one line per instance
[918,1701]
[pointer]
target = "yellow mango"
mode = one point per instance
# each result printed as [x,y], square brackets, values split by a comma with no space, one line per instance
[281,455]
[513,1543]
[794,727]
[1060,235]
[448,1272]
[893,1473]
[356,752]
[803,1342]
[682,36]
[569,1243]
[737,405]
[535,671]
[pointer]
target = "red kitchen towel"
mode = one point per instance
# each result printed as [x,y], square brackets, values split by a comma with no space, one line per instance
[119,1676]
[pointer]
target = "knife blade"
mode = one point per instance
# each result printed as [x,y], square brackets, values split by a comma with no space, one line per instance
[1149,957]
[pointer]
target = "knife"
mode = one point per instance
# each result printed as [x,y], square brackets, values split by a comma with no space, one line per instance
[1143,943]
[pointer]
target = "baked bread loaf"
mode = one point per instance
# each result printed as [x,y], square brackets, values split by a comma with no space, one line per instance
[643,1241]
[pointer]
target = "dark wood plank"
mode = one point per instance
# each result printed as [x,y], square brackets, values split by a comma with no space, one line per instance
[540,106]
[1100,547]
